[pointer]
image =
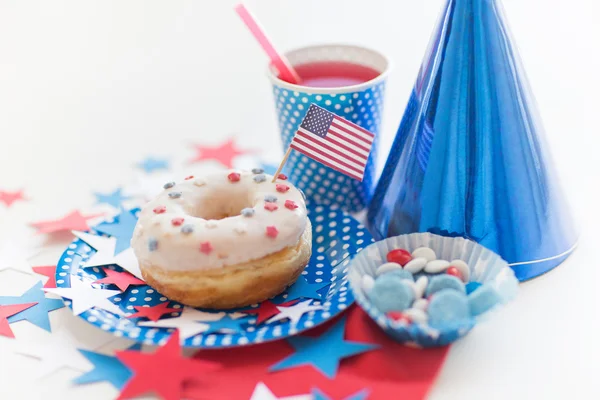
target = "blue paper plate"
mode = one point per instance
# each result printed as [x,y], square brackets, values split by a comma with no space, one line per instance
[336,238]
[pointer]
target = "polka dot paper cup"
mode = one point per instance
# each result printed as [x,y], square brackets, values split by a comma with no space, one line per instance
[361,104]
[485,268]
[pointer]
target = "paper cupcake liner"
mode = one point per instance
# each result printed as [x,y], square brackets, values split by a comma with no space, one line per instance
[486,267]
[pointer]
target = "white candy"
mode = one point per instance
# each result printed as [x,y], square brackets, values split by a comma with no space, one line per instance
[420,286]
[387,267]
[415,265]
[435,266]
[367,283]
[463,268]
[424,252]
[421,304]
[416,315]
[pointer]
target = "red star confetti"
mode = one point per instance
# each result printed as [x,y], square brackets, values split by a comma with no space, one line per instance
[290,204]
[224,153]
[122,279]
[163,372]
[8,198]
[155,312]
[9,311]
[271,206]
[50,272]
[266,310]
[187,178]
[282,188]
[283,177]
[392,368]
[272,231]
[206,247]
[73,221]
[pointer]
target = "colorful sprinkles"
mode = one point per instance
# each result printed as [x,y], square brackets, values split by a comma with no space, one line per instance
[283,177]
[272,231]
[152,244]
[259,178]
[175,195]
[234,177]
[271,206]
[257,171]
[187,178]
[270,198]
[177,221]
[247,212]
[168,185]
[159,209]
[291,204]
[187,229]
[206,248]
[282,188]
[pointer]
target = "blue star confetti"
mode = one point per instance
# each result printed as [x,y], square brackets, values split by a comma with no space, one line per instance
[226,325]
[304,290]
[38,314]
[121,228]
[323,353]
[151,164]
[106,368]
[319,395]
[114,199]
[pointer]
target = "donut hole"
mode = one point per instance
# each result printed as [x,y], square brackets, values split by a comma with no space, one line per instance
[219,208]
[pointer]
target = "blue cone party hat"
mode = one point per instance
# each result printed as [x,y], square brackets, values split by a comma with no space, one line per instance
[469,157]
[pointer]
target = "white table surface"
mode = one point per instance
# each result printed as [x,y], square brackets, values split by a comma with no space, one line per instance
[88,88]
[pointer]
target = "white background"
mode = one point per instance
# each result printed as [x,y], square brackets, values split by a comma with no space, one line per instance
[88,88]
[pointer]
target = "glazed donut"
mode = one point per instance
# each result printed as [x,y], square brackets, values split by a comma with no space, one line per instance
[225,240]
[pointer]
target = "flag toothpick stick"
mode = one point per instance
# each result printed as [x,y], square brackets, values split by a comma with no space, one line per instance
[285,157]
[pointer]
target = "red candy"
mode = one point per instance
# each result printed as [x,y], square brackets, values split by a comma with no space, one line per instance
[290,204]
[399,256]
[233,177]
[282,188]
[177,221]
[206,247]
[398,317]
[272,232]
[187,178]
[160,209]
[282,177]
[271,206]
[454,272]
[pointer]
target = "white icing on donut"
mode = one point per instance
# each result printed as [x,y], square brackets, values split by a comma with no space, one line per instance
[213,233]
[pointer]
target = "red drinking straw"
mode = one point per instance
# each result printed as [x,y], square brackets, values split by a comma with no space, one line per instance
[286,71]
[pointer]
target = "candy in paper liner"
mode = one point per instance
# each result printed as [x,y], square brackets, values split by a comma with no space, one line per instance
[486,267]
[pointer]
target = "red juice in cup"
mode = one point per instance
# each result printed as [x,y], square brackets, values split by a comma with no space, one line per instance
[330,74]
[348,81]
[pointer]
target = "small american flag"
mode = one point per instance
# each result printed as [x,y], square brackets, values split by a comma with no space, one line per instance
[333,141]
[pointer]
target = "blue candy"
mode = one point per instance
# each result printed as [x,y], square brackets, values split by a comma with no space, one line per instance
[175,195]
[257,170]
[270,198]
[483,299]
[472,286]
[168,185]
[398,273]
[391,294]
[444,281]
[448,305]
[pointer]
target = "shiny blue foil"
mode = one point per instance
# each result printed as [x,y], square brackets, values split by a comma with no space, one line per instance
[469,157]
